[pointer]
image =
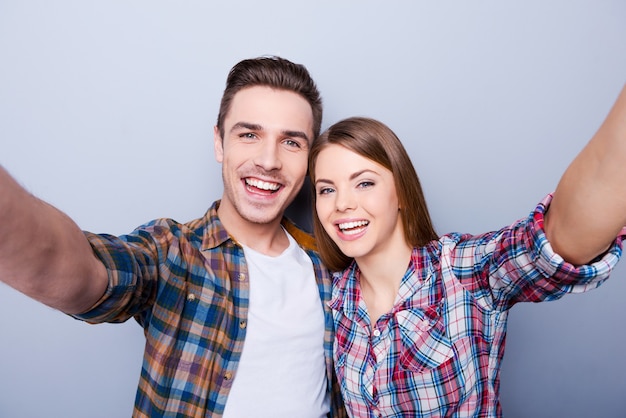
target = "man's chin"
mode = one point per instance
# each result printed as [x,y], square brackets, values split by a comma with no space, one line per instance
[262,215]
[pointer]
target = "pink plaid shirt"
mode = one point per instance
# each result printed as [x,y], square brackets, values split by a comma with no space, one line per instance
[438,352]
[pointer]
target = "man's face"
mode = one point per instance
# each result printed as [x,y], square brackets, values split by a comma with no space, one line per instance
[267,134]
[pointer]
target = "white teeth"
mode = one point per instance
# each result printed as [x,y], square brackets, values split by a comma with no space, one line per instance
[264,185]
[349,227]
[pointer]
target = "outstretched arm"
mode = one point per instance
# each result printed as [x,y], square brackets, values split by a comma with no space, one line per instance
[589,205]
[44,254]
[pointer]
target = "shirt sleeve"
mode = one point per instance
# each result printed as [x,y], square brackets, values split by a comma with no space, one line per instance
[132,266]
[518,264]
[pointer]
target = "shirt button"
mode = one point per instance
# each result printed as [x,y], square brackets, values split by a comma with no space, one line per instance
[191,297]
[242,324]
[228,376]
[376,333]
[242,277]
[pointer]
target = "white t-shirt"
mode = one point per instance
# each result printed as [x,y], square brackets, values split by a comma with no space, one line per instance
[282,371]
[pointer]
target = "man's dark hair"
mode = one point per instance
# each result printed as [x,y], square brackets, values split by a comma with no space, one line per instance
[274,72]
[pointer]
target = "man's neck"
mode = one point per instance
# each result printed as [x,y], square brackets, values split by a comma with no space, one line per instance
[266,238]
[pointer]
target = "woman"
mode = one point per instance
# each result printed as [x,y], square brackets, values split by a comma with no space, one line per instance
[420,320]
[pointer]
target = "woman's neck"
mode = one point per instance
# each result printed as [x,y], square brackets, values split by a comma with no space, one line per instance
[380,278]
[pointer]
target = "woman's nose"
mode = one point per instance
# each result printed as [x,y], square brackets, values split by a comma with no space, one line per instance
[345,201]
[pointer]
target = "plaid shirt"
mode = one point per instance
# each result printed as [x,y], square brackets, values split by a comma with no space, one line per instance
[187,285]
[438,352]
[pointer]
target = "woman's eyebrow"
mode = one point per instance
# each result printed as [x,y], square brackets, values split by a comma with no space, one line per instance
[352,176]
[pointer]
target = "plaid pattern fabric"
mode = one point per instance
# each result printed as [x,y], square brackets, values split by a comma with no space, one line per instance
[187,285]
[439,351]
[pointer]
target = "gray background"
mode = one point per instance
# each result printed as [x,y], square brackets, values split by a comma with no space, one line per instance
[107,109]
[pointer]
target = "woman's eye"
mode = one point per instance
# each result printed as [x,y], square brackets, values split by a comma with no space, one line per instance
[325,190]
[365,184]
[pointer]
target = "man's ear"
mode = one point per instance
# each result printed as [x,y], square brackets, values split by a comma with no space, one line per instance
[218,145]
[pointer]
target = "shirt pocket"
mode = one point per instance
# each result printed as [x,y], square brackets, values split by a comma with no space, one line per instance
[428,376]
[422,342]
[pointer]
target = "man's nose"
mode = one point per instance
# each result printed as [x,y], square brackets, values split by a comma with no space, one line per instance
[268,156]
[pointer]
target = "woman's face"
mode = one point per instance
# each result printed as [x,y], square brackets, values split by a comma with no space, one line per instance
[356,202]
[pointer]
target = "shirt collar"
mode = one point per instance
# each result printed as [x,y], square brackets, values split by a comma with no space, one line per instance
[346,294]
[216,235]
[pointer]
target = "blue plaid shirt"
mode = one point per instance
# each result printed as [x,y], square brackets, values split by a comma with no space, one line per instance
[187,285]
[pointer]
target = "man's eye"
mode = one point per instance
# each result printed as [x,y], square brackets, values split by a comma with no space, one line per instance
[248,135]
[292,143]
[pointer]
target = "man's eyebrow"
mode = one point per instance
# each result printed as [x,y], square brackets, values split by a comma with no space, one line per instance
[296,134]
[246,125]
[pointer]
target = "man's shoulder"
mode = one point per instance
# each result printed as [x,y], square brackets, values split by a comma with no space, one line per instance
[200,230]
[303,238]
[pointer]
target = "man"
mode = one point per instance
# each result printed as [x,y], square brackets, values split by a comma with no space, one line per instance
[233,304]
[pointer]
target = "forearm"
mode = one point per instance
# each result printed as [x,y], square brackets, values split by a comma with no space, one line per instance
[44,254]
[589,205]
